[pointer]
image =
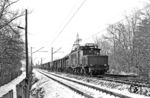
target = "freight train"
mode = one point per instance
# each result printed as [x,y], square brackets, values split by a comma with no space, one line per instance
[81,60]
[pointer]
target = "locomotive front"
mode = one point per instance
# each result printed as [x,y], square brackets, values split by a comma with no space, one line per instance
[95,63]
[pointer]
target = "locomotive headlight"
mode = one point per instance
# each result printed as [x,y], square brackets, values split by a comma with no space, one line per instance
[105,64]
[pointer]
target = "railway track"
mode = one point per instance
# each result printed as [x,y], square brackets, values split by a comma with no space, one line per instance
[84,89]
[125,79]
[135,85]
[118,82]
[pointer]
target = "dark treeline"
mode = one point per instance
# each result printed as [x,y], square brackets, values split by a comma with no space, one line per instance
[11,44]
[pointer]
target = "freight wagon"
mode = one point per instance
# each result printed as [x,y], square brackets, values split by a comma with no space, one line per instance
[81,60]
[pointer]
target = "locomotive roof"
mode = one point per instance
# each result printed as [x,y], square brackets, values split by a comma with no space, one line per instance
[85,48]
[88,47]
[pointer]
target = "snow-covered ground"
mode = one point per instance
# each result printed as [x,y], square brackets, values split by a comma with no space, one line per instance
[89,91]
[11,86]
[103,83]
[52,89]
[124,92]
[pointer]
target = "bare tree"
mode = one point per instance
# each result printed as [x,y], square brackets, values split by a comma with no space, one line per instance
[11,44]
[121,36]
[104,45]
[130,39]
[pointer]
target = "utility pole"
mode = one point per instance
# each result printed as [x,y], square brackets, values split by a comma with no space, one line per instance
[31,57]
[27,79]
[41,61]
[26,46]
[52,56]
[26,42]
[32,52]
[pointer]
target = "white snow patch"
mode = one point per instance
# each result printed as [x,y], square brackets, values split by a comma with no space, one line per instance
[53,89]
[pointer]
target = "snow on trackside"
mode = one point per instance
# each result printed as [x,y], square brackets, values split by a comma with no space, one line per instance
[11,86]
[124,92]
[52,89]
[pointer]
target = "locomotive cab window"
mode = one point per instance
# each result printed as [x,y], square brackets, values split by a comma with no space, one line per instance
[91,51]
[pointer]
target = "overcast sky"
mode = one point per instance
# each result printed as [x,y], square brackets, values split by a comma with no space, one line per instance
[55,23]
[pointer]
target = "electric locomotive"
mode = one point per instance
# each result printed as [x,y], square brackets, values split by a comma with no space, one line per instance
[87,60]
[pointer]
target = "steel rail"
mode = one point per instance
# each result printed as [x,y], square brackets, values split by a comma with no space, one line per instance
[93,87]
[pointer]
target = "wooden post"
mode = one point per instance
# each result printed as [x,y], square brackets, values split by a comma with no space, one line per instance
[26,46]
[52,56]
